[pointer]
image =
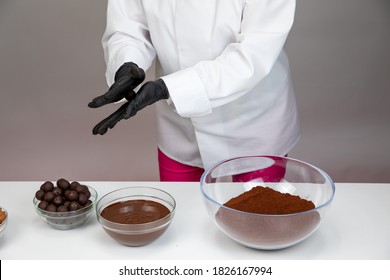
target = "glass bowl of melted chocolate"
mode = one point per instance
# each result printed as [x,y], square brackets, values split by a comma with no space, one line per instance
[136,216]
[267,202]
[64,204]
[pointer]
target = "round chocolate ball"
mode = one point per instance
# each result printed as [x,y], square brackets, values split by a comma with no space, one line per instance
[88,193]
[40,194]
[47,186]
[51,208]
[74,206]
[63,184]
[62,208]
[83,199]
[66,203]
[58,200]
[43,205]
[74,184]
[48,196]
[81,189]
[57,191]
[72,195]
[66,193]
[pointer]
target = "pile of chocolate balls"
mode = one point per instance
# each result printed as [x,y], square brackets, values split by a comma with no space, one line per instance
[63,197]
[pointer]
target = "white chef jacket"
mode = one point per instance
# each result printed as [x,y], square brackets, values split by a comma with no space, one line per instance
[224,65]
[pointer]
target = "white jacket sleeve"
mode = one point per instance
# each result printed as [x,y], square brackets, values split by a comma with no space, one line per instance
[241,66]
[126,38]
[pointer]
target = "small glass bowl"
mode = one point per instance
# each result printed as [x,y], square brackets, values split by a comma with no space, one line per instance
[4,223]
[67,220]
[136,234]
[232,177]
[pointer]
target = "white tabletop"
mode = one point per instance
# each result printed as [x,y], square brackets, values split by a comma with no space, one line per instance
[356,227]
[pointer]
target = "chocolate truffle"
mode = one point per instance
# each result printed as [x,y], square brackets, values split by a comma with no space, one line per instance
[74,184]
[43,205]
[72,195]
[58,200]
[63,184]
[40,194]
[74,206]
[47,186]
[62,208]
[48,196]
[57,191]
[83,199]
[51,208]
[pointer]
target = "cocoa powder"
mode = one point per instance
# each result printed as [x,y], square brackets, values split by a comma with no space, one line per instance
[271,225]
[260,200]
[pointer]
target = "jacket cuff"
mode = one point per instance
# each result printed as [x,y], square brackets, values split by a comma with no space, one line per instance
[187,93]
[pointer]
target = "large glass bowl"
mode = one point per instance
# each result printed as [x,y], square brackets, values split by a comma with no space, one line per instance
[232,177]
[139,233]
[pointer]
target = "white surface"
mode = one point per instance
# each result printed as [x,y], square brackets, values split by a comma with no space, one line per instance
[356,227]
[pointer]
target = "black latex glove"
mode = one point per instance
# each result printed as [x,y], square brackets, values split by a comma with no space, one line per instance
[127,78]
[148,94]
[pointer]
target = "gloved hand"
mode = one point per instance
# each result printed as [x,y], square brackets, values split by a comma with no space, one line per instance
[148,94]
[127,78]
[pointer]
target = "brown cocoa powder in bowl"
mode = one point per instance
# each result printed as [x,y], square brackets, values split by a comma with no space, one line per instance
[267,230]
[264,200]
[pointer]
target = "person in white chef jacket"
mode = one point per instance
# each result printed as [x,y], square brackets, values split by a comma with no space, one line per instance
[223,86]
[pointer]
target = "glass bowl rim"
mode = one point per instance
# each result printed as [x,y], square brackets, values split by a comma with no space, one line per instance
[322,172]
[4,223]
[168,217]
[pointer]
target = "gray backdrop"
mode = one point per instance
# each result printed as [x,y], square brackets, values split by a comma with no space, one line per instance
[52,66]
